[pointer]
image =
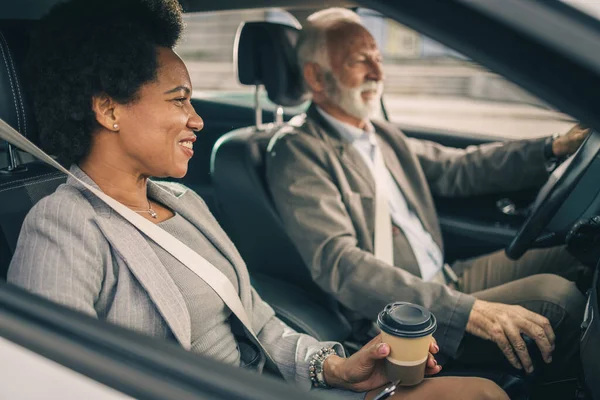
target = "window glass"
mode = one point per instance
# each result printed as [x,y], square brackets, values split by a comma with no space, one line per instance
[589,7]
[429,86]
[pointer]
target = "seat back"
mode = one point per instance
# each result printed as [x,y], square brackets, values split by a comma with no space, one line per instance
[18,194]
[266,56]
[22,187]
[247,211]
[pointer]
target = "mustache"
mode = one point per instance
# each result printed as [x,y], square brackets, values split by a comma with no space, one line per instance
[371,85]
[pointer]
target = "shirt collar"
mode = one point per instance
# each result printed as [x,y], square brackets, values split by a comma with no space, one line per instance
[347,131]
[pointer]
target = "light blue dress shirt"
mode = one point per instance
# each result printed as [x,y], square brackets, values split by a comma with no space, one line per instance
[427,252]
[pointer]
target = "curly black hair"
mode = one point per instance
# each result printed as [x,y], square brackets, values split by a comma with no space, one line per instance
[84,48]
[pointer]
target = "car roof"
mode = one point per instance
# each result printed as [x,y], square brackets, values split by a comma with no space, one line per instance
[34,9]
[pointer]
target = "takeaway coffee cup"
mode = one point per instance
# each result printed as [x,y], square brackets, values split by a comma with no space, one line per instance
[407,328]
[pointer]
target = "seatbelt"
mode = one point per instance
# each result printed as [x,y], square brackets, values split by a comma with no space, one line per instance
[192,260]
[384,247]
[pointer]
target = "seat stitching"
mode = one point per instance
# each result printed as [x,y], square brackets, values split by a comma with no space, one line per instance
[25,185]
[28,179]
[12,65]
[12,88]
[30,183]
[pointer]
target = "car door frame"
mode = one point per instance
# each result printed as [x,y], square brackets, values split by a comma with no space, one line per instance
[128,362]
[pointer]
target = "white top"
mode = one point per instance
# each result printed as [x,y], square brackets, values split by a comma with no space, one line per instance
[427,252]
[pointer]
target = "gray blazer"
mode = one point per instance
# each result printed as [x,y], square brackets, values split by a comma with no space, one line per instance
[75,250]
[324,194]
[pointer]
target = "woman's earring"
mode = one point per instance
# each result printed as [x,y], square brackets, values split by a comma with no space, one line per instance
[116,126]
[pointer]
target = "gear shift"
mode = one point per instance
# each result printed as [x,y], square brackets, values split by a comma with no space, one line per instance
[583,241]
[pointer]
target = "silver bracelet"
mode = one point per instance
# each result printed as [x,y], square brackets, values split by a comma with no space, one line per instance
[315,369]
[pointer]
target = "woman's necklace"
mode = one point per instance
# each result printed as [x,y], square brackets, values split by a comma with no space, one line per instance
[150,211]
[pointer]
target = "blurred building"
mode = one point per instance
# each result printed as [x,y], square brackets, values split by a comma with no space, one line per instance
[413,64]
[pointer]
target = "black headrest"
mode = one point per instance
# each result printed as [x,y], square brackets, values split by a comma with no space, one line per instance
[14,108]
[266,55]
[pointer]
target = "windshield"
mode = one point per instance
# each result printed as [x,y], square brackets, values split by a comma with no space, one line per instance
[589,7]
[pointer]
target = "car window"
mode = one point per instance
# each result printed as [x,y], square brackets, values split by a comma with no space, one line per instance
[207,48]
[589,7]
[429,86]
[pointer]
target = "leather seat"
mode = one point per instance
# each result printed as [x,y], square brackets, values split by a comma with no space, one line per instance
[265,56]
[21,187]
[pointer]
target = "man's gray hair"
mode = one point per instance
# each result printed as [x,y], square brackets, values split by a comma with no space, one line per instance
[312,43]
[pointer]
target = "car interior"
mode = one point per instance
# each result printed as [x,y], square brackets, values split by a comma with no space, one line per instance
[228,172]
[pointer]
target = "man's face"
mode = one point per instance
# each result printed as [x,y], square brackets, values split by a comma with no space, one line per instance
[355,80]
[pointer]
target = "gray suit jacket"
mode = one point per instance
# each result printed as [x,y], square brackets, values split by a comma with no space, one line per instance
[324,194]
[75,250]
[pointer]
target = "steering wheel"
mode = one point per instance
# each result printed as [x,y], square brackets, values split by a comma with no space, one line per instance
[553,194]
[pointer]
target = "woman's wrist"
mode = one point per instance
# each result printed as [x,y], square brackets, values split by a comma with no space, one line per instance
[333,371]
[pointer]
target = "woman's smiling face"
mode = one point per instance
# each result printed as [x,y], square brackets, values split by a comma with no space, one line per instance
[157,130]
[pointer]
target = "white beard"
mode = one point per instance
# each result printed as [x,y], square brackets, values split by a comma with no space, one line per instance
[350,99]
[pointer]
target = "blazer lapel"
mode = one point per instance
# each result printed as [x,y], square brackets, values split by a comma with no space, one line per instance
[143,263]
[405,168]
[393,164]
[187,205]
[346,153]
[141,260]
[399,160]
[200,217]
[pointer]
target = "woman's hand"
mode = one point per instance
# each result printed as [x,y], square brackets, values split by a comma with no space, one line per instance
[432,366]
[364,371]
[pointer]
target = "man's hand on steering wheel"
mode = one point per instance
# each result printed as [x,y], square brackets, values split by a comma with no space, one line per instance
[585,147]
[503,324]
[568,144]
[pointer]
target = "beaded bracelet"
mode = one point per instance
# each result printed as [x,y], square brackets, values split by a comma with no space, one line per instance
[315,368]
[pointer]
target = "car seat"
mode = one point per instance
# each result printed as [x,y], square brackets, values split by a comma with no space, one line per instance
[21,184]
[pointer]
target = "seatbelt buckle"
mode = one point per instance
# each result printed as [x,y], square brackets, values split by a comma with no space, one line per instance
[450,274]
